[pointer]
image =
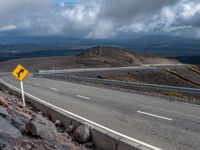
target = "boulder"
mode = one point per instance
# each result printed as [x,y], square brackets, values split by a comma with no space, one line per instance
[3,102]
[8,134]
[40,126]
[70,129]
[82,134]
[89,145]
[63,147]
[3,112]
[19,123]
[19,119]
[65,144]
[58,123]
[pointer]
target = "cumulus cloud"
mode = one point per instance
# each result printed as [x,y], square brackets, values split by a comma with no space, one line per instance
[99,18]
[183,15]
[128,10]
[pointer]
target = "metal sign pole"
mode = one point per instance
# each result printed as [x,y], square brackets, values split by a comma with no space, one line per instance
[22,89]
[20,73]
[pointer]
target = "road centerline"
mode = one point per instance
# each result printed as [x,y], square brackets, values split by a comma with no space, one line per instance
[54,89]
[153,115]
[84,97]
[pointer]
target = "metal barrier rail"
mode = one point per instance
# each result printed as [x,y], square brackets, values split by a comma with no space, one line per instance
[122,83]
[146,66]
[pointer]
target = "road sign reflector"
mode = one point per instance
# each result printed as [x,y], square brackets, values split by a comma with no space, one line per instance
[20,72]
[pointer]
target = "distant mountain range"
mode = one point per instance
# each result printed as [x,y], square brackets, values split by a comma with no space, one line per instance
[189,59]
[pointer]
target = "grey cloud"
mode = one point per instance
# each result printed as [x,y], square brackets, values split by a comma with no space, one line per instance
[127,10]
[99,18]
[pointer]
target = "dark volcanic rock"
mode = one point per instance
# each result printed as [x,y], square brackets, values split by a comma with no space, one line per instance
[40,126]
[3,102]
[89,145]
[58,123]
[70,129]
[19,124]
[8,134]
[82,134]
[18,119]
[63,147]
[3,112]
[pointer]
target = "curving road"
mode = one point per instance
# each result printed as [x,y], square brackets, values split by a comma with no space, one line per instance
[158,122]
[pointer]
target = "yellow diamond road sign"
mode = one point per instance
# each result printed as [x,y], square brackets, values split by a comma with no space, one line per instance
[20,72]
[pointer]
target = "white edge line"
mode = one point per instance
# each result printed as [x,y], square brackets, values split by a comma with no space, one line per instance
[145,113]
[54,89]
[86,120]
[80,96]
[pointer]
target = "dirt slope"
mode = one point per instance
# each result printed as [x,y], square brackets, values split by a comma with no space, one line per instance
[110,56]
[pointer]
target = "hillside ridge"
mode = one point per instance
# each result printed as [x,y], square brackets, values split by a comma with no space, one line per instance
[100,56]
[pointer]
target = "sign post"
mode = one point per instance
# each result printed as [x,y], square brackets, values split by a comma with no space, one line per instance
[20,73]
[23,97]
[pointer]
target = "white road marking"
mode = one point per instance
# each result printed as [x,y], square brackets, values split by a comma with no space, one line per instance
[37,84]
[80,96]
[84,119]
[145,113]
[54,89]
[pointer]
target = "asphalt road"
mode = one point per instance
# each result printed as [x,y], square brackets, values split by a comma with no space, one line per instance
[158,122]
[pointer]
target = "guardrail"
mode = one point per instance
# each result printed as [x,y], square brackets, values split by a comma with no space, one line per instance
[145,66]
[122,83]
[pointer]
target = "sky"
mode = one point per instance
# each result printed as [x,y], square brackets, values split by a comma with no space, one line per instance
[100,19]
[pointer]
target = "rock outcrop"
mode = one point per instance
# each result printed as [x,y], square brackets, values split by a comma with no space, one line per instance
[82,134]
[40,126]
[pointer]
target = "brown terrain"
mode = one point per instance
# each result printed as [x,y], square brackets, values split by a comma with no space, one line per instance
[94,57]
[172,76]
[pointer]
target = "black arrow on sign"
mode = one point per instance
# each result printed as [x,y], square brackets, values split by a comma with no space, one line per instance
[20,72]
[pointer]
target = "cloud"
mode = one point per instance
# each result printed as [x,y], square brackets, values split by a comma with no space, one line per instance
[103,29]
[99,18]
[8,28]
[181,16]
[128,10]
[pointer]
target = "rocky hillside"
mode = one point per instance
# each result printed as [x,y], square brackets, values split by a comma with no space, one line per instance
[94,57]
[111,57]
